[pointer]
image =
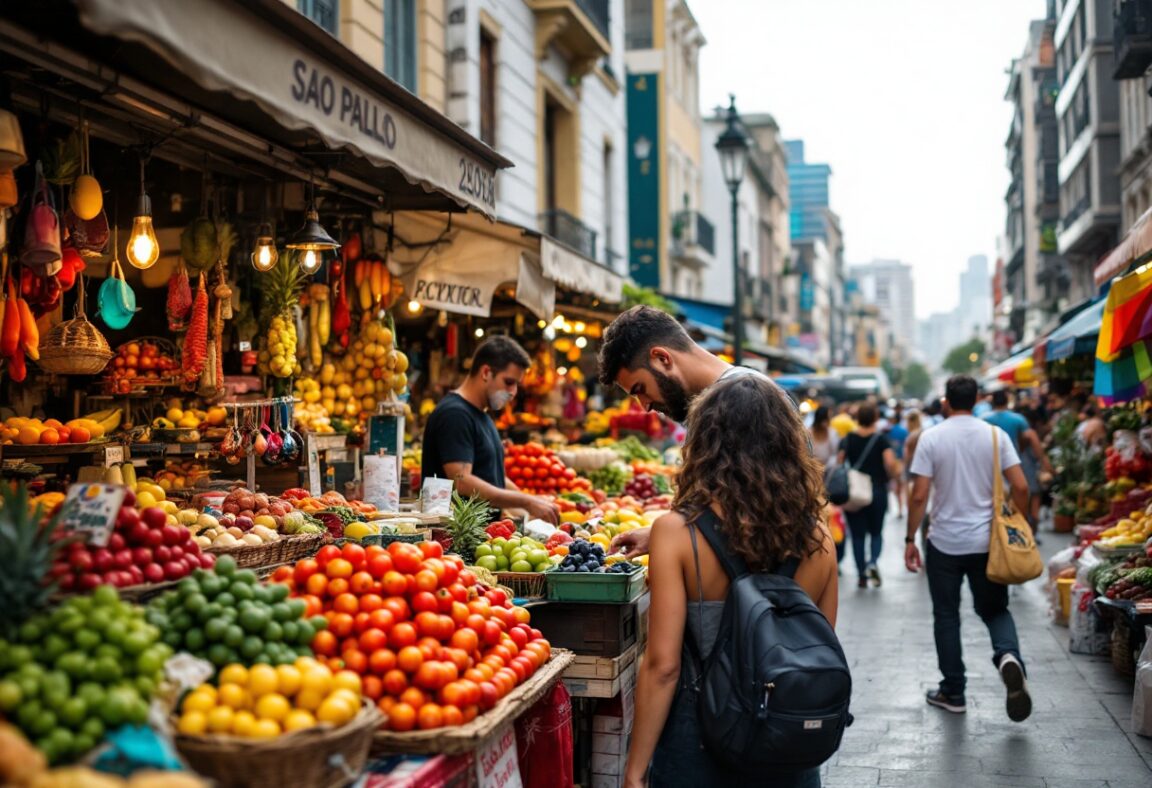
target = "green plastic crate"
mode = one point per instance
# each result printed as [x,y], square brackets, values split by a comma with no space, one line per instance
[595,586]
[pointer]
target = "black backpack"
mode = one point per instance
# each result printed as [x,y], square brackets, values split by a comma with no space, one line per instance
[774,692]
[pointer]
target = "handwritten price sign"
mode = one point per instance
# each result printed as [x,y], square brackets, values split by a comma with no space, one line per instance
[497,763]
[91,510]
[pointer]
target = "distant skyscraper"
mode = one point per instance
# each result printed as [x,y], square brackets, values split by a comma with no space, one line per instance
[889,285]
[808,194]
[974,313]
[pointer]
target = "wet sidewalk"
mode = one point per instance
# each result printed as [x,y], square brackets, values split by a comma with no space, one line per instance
[1077,737]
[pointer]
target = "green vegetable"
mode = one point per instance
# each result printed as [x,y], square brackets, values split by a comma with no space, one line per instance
[632,448]
[611,478]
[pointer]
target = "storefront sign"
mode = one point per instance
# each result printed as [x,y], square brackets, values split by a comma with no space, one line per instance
[91,509]
[564,266]
[644,190]
[497,763]
[226,46]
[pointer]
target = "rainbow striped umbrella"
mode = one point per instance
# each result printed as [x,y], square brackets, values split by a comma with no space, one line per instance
[1126,376]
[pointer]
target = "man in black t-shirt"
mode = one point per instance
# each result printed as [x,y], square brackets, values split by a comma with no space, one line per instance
[461,442]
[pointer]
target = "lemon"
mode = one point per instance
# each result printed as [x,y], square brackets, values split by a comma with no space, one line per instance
[242,723]
[304,663]
[200,700]
[234,674]
[220,719]
[145,499]
[346,679]
[290,679]
[357,531]
[234,696]
[174,414]
[336,711]
[262,680]
[273,706]
[298,720]
[192,723]
[265,729]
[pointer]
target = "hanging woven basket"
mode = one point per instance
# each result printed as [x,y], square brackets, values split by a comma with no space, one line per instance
[75,347]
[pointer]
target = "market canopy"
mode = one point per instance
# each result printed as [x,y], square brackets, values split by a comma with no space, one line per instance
[1135,245]
[1078,335]
[1015,369]
[260,79]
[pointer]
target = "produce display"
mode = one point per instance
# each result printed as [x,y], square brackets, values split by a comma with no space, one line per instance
[30,432]
[1129,532]
[263,702]
[589,557]
[434,647]
[140,363]
[516,554]
[536,469]
[224,615]
[647,487]
[72,673]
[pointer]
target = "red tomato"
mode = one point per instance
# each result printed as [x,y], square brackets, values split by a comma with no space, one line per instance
[405,557]
[395,682]
[431,549]
[519,636]
[491,633]
[489,695]
[398,607]
[458,591]
[381,661]
[395,584]
[381,619]
[467,578]
[304,570]
[371,602]
[425,602]
[426,580]
[361,583]
[326,554]
[373,640]
[428,624]
[379,565]
[402,634]
[459,613]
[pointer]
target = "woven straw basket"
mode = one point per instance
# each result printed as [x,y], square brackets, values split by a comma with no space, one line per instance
[75,347]
[321,757]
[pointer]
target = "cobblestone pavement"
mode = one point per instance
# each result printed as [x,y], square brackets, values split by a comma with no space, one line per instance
[1077,737]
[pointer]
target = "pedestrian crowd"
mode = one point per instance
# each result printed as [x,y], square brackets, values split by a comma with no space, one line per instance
[752,522]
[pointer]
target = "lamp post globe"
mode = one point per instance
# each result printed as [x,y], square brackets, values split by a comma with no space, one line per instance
[732,145]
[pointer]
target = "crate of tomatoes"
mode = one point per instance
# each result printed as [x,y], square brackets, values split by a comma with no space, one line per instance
[537,469]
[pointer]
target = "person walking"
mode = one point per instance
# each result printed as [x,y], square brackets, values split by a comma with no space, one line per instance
[1033,458]
[756,475]
[869,452]
[954,462]
[897,435]
[825,440]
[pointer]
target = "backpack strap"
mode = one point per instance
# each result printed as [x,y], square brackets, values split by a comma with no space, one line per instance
[867,450]
[733,564]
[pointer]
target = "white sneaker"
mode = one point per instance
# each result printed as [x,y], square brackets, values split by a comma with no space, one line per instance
[1019,702]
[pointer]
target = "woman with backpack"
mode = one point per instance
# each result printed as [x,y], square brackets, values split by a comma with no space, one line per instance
[749,484]
[867,451]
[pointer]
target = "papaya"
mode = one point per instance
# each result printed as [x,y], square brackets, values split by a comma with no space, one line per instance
[29,331]
[10,330]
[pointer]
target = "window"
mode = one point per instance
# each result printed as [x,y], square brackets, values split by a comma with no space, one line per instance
[400,41]
[637,24]
[609,208]
[322,12]
[487,88]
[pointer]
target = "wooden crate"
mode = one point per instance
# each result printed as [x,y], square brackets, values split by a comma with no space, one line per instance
[587,667]
[623,680]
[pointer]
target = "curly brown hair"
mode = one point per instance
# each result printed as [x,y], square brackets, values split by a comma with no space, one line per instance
[747,452]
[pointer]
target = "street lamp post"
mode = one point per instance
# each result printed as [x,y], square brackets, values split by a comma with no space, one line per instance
[733,148]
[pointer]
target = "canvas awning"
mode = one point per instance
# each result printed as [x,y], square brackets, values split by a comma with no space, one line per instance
[458,264]
[266,70]
[1078,335]
[1136,244]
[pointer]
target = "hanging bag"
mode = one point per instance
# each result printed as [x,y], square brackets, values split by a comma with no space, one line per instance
[774,691]
[12,153]
[1012,554]
[42,233]
[849,488]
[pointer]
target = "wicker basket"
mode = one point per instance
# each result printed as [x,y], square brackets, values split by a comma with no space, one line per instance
[524,585]
[293,548]
[75,347]
[321,757]
[284,550]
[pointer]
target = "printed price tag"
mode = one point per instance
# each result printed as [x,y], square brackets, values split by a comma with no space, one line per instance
[113,455]
[314,471]
[91,509]
[245,346]
[497,764]
[382,482]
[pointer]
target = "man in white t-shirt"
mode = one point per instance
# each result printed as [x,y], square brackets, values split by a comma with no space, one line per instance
[954,463]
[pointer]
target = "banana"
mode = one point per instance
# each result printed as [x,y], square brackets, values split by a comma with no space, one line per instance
[365,291]
[99,415]
[112,421]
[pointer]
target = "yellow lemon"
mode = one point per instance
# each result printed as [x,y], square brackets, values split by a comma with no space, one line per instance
[348,695]
[298,720]
[234,674]
[309,699]
[145,499]
[201,700]
[242,723]
[273,706]
[262,680]
[192,723]
[336,711]
[174,414]
[303,663]
[265,729]
[318,678]
[289,679]
[220,719]
[234,696]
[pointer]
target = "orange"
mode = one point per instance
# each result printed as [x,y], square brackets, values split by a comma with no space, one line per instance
[346,603]
[402,717]
[316,585]
[414,697]
[49,436]
[339,568]
[430,716]
[395,682]
[324,643]
[28,436]
[452,715]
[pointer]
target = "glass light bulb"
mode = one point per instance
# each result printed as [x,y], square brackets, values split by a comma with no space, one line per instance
[581,342]
[265,257]
[143,248]
[414,306]
[311,261]
[479,333]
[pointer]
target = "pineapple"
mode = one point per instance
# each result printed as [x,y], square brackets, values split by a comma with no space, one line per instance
[281,289]
[470,517]
[27,550]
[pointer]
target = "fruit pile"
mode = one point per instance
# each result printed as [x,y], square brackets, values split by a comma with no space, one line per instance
[146,546]
[88,665]
[226,616]
[310,414]
[646,487]
[434,647]
[536,469]
[139,362]
[1126,465]
[230,531]
[177,417]
[517,554]
[262,702]
[371,371]
[30,432]
[279,355]
[245,503]
[1135,585]
[589,557]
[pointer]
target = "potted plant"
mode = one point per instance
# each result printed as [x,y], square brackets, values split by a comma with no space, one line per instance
[1064,516]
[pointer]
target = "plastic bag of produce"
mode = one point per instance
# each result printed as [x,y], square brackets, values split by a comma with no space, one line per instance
[1088,633]
[1064,559]
[1142,692]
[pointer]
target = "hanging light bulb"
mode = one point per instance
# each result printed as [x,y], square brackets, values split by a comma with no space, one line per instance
[414,306]
[143,248]
[265,256]
[581,342]
[479,333]
[312,239]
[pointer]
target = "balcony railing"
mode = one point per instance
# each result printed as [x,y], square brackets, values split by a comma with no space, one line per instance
[692,228]
[597,11]
[570,231]
[1132,36]
[1074,212]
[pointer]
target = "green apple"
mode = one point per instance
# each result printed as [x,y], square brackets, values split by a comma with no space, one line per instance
[489,562]
[483,550]
[538,556]
[521,566]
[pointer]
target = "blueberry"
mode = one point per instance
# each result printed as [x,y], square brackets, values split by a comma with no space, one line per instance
[583,568]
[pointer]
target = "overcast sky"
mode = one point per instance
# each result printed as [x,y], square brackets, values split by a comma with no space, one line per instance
[903,98]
